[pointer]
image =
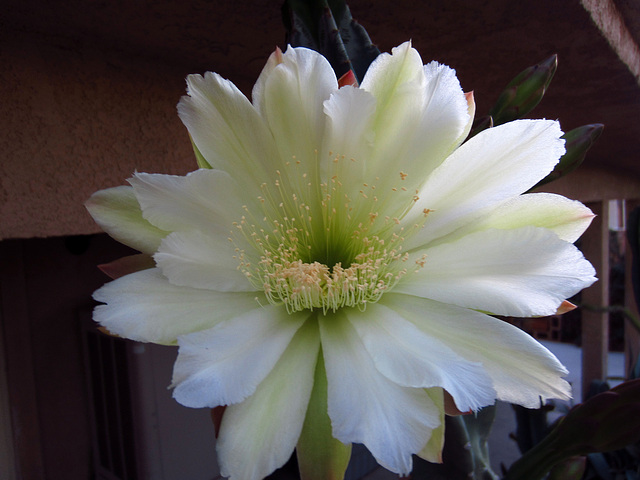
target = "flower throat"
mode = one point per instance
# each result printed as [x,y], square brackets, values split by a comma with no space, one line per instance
[323,253]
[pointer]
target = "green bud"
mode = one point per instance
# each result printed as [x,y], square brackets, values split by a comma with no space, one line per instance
[577,142]
[480,124]
[524,92]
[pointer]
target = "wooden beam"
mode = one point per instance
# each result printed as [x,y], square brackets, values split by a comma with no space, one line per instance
[595,323]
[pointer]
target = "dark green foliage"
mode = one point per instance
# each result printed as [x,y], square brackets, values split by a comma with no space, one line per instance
[606,422]
[327,27]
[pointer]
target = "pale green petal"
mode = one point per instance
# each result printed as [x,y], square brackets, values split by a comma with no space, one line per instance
[227,130]
[205,200]
[523,272]
[420,117]
[432,451]
[144,306]
[292,105]
[193,259]
[408,357]
[126,265]
[118,213]
[224,364]
[566,218]
[258,435]
[493,167]
[522,370]
[392,421]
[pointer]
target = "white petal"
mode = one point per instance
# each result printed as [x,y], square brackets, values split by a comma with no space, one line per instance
[393,422]
[566,218]
[391,74]
[227,129]
[292,105]
[258,435]
[205,200]
[225,364]
[408,357]
[193,259]
[522,272]
[471,110]
[521,369]
[144,306]
[257,94]
[496,165]
[118,213]
[421,115]
[349,135]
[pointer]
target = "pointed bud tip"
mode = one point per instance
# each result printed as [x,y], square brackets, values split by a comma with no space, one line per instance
[565,307]
[107,332]
[277,56]
[450,406]
[348,78]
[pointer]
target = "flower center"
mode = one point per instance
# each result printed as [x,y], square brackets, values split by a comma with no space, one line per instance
[299,285]
[313,249]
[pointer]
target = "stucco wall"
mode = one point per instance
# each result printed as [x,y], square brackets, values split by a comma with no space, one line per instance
[76,118]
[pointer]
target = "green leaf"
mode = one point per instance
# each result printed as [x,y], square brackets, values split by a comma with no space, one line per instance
[524,92]
[605,422]
[571,469]
[577,142]
[320,456]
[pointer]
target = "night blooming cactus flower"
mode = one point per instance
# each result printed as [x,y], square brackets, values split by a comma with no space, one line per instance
[342,246]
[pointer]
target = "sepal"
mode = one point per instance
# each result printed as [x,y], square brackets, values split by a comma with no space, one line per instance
[320,456]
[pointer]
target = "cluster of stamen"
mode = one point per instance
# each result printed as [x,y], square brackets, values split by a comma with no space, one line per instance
[299,285]
[293,245]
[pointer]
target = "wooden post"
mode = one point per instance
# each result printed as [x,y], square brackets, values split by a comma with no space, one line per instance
[22,394]
[631,334]
[595,323]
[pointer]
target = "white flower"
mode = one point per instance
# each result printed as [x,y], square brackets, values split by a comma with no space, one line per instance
[346,226]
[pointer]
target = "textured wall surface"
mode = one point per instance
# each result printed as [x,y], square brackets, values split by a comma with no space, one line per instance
[89,88]
[76,118]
